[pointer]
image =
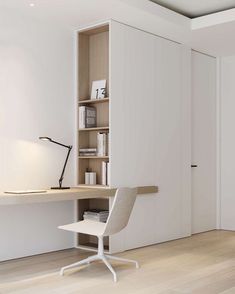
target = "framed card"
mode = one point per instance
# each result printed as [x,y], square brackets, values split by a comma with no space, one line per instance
[98,89]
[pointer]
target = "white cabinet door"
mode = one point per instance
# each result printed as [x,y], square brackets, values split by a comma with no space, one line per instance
[150,134]
[203,142]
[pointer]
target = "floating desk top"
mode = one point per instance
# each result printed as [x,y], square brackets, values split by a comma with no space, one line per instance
[63,195]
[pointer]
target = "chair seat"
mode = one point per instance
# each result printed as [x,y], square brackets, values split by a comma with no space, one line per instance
[86,227]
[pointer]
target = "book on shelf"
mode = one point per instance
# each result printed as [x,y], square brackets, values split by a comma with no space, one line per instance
[90,178]
[87,117]
[87,151]
[98,89]
[96,215]
[95,218]
[102,143]
[105,178]
[108,173]
[104,173]
[96,211]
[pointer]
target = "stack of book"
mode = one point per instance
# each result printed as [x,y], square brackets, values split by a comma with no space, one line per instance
[98,215]
[105,173]
[87,117]
[87,151]
[102,144]
[90,178]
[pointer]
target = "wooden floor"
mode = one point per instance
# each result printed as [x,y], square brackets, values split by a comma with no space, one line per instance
[202,264]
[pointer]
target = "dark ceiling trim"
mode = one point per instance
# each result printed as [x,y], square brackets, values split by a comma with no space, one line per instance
[188,14]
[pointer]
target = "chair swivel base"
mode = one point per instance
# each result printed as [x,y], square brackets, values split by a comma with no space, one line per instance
[104,258]
[100,256]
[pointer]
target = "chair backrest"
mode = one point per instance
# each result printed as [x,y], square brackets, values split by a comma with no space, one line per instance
[121,210]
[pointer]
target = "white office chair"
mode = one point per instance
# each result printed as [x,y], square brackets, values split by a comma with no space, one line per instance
[118,218]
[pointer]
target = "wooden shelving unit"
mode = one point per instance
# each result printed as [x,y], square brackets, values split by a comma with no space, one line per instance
[93,64]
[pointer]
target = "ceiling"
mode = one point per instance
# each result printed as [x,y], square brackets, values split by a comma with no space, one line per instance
[209,34]
[196,8]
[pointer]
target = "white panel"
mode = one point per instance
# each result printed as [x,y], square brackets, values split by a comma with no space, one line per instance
[227,143]
[203,142]
[150,134]
[32,229]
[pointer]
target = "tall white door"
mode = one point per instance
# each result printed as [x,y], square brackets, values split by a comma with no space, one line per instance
[203,142]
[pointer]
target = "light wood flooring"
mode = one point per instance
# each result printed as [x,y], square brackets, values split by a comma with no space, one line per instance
[201,264]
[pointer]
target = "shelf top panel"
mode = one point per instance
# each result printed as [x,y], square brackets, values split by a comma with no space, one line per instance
[95,30]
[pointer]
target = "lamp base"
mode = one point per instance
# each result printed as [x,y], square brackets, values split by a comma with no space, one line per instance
[59,188]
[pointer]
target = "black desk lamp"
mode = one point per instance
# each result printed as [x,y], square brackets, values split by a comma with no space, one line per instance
[66,160]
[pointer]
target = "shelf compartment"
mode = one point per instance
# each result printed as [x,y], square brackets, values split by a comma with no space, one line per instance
[102,113]
[93,101]
[92,164]
[88,241]
[93,59]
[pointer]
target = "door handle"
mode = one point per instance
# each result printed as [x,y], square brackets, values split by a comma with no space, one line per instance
[194,165]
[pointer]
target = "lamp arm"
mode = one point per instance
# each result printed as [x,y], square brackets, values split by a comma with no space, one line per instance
[66,160]
[55,142]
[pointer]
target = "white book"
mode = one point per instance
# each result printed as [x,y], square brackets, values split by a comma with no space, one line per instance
[87,149]
[87,154]
[96,212]
[87,178]
[92,178]
[99,144]
[82,117]
[87,117]
[108,173]
[104,173]
[94,218]
[104,142]
[107,144]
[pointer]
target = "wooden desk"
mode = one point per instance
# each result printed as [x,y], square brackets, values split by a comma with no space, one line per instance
[62,195]
[86,198]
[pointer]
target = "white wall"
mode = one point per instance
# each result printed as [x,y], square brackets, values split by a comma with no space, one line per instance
[36,99]
[227,101]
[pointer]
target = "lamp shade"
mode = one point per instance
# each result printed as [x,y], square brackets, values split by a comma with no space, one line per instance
[45,138]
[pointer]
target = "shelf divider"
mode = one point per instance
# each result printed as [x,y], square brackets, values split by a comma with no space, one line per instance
[93,101]
[94,129]
[93,157]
